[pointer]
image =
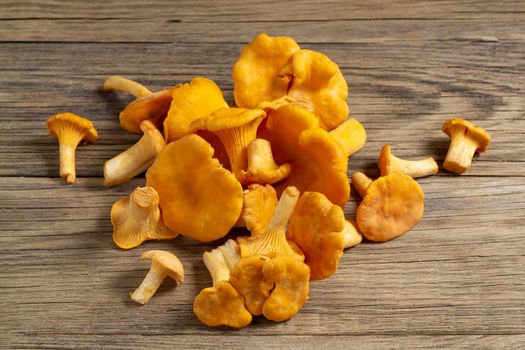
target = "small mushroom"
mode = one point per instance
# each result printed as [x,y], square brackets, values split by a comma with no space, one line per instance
[361,182]
[273,241]
[220,304]
[388,163]
[70,130]
[351,234]
[318,162]
[198,197]
[135,159]
[317,226]
[291,279]
[152,106]
[136,218]
[351,135]
[261,165]
[163,264]
[392,205]
[465,140]
[236,127]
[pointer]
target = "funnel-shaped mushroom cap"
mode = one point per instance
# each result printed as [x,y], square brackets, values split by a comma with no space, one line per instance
[191,101]
[221,305]
[317,81]
[318,162]
[198,197]
[136,218]
[167,263]
[236,127]
[291,279]
[262,72]
[248,279]
[275,71]
[393,205]
[351,135]
[317,227]
[258,207]
[456,126]
[153,107]
[71,129]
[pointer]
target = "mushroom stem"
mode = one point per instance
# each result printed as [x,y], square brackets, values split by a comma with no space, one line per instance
[135,159]
[388,163]
[261,164]
[116,82]
[230,251]
[148,287]
[460,153]
[351,235]
[217,266]
[67,162]
[284,210]
[361,182]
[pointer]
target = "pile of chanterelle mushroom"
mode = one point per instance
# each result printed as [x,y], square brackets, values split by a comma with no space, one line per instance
[217,167]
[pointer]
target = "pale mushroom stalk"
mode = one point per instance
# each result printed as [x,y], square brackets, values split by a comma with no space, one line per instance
[135,159]
[351,235]
[217,266]
[70,130]
[163,264]
[116,82]
[231,252]
[389,163]
[361,182]
[273,241]
[261,165]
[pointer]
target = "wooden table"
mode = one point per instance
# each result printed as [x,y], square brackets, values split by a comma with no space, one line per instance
[456,281]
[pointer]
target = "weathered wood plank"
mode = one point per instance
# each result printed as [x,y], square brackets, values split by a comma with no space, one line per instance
[307,31]
[270,11]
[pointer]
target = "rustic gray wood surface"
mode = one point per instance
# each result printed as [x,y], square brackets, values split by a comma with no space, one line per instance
[456,281]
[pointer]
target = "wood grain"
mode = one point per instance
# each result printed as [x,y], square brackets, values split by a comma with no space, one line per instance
[457,281]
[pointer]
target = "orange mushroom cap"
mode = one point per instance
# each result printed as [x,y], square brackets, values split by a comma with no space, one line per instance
[291,279]
[191,101]
[351,135]
[273,71]
[393,205]
[136,218]
[261,73]
[258,207]
[318,162]
[317,227]
[198,197]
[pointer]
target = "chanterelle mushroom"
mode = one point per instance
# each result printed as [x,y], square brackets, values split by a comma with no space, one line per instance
[236,127]
[318,162]
[388,163]
[221,304]
[465,140]
[163,264]
[351,234]
[198,197]
[273,241]
[135,159]
[258,206]
[351,135]
[392,205]
[70,130]
[261,165]
[317,226]
[136,218]
[275,71]
[147,105]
